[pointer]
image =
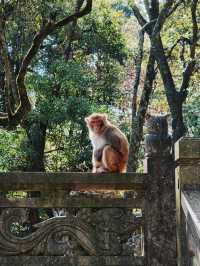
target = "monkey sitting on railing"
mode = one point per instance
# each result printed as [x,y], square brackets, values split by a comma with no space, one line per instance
[110,145]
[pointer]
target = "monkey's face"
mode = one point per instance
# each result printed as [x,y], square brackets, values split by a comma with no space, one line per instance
[97,125]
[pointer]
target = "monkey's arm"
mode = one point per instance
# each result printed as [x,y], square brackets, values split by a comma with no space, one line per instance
[98,154]
[96,159]
[114,140]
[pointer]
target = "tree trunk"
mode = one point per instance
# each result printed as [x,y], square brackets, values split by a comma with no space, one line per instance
[178,125]
[36,133]
[174,97]
[138,120]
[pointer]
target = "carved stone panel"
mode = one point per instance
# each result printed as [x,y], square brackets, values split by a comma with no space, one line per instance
[82,232]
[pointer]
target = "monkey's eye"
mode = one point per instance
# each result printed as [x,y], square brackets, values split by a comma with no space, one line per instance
[96,123]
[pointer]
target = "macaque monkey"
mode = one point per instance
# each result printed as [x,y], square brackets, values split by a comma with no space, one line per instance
[110,145]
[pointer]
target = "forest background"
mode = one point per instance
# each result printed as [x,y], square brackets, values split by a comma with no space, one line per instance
[102,62]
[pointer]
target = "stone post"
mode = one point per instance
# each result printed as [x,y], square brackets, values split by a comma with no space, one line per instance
[159,210]
[187,157]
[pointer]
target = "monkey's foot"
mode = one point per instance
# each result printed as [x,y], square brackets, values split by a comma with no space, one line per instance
[102,170]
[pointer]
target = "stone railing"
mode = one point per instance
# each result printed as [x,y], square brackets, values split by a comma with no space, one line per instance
[98,226]
[187,155]
[95,232]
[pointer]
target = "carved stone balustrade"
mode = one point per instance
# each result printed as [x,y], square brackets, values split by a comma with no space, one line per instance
[95,230]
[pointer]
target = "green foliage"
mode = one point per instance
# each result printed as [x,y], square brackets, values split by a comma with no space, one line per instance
[102,32]
[177,29]
[176,36]
[68,149]
[191,111]
[12,153]
[64,91]
[92,79]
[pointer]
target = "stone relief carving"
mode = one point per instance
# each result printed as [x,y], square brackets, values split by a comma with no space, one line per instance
[55,236]
[103,231]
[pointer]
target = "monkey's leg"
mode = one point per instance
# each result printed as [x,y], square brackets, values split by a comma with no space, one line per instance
[96,166]
[97,161]
[111,159]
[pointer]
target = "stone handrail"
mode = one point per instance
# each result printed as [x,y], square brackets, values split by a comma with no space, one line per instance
[55,186]
[187,155]
[70,181]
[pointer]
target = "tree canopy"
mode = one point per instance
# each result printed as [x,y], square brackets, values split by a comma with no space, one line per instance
[62,60]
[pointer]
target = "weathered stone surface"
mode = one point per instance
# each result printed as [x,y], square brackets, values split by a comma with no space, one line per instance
[187,148]
[56,236]
[191,205]
[72,202]
[157,140]
[86,236]
[160,222]
[70,181]
[96,236]
[187,155]
[156,145]
[190,202]
[188,174]
[72,261]
[103,231]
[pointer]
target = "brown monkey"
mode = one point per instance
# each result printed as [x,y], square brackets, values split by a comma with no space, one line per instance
[110,145]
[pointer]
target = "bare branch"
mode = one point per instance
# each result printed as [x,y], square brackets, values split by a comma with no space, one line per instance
[72,31]
[138,66]
[173,9]
[86,10]
[147,7]
[153,9]
[168,9]
[37,41]
[163,65]
[157,20]
[179,41]
[57,149]
[141,20]
[186,77]
[194,28]
[138,121]
[148,26]
[148,85]
[162,17]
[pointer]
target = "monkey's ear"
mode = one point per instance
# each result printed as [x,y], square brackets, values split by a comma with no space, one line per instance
[87,120]
[104,116]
